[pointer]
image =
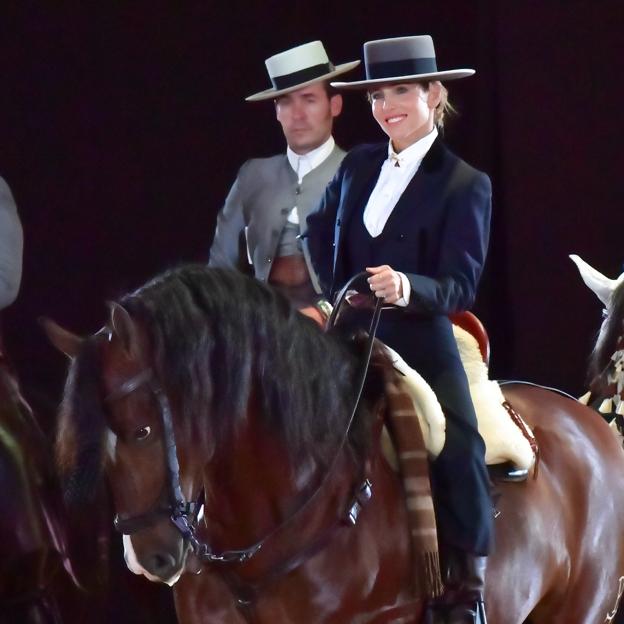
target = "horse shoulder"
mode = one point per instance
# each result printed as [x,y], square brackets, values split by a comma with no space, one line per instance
[205,597]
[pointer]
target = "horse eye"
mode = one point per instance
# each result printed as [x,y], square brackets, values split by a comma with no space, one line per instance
[142,433]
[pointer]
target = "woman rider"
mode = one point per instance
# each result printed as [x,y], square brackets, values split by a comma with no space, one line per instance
[416,218]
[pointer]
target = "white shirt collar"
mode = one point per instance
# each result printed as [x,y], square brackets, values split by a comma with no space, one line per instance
[304,163]
[415,152]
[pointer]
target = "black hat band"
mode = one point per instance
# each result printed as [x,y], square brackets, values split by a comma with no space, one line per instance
[303,75]
[407,67]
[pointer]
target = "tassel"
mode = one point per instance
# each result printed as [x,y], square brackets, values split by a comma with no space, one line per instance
[620,409]
[606,407]
[431,574]
[585,398]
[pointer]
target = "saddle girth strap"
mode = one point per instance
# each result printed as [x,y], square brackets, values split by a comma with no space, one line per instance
[515,417]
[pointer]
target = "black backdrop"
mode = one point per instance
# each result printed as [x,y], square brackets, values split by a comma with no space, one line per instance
[122,128]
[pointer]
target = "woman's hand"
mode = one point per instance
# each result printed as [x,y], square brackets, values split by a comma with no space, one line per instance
[385,283]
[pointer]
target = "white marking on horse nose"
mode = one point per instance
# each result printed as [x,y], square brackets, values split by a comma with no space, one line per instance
[133,563]
[134,566]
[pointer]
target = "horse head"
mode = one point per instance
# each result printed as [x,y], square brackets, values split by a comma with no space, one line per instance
[605,363]
[203,391]
[111,423]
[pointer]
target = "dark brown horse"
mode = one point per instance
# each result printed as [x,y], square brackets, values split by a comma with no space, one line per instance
[36,577]
[207,390]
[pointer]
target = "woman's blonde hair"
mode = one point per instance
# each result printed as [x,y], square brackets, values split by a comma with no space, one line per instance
[444,109]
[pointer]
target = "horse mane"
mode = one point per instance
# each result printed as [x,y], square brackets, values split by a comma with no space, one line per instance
[608,336]
[218,340]
[82,426]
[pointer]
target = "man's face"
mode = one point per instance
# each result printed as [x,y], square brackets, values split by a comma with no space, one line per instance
[307,116]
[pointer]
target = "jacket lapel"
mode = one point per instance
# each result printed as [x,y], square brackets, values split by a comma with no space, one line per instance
[357,190]
[422,189]
[363,181]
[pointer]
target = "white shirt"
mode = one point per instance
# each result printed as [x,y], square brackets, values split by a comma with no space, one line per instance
[393,180]
[302,164]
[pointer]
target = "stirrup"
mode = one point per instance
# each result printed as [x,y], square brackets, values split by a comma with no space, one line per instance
[476,615]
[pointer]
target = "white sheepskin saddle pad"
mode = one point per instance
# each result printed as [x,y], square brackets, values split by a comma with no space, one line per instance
[504,441]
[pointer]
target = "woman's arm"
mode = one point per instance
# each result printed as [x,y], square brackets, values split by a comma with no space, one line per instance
[463,249]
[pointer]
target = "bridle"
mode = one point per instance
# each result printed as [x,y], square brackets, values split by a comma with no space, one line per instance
[183,514]
[178,509]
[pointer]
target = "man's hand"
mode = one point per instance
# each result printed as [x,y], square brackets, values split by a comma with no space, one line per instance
[385,283]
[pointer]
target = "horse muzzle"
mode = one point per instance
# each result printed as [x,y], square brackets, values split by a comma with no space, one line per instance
[156,562]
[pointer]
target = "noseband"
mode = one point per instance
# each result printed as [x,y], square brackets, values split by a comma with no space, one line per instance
[183,514]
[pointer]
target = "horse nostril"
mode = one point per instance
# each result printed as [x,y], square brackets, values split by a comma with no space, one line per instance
[161,565]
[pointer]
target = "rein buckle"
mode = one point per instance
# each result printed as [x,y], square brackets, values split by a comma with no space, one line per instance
[364,494]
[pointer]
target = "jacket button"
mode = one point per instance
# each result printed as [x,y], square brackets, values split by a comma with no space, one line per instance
[269,259]
[338,222]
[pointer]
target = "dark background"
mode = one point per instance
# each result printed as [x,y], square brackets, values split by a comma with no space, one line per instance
[123,126]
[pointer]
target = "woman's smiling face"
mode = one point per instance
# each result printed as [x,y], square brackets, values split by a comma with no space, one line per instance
[405,111]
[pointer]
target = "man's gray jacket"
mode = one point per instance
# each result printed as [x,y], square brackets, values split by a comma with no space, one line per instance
[257,207]
[11,242]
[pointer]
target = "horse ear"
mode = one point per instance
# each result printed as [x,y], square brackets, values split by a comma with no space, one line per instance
[124,328]
[600,285]
[62,339]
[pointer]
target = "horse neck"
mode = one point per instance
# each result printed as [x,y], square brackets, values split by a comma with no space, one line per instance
[255,499]
[255,488]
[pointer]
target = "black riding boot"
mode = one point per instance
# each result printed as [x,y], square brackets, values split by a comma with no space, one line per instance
[462,601]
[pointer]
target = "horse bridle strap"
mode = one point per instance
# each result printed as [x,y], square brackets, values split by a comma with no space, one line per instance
[178,509]
[128,526]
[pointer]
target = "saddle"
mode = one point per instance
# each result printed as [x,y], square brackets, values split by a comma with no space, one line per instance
[510,445]
[511,448]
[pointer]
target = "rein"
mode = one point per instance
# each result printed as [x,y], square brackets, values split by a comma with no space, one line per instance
[184,514]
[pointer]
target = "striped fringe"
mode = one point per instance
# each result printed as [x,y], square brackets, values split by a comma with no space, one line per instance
[404,429]
[431,577]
